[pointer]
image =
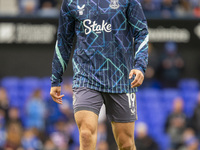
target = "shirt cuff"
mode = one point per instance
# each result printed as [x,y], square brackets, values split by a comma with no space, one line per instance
[140,68]
[55,84]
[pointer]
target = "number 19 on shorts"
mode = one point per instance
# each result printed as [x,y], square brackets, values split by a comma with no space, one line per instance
[131,102]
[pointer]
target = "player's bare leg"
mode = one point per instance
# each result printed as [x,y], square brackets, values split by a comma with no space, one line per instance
[124,135]
[87,122]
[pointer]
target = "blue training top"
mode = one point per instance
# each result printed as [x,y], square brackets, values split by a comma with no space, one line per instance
[111,40]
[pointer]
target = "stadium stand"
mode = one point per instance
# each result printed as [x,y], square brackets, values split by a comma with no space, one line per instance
[153,104]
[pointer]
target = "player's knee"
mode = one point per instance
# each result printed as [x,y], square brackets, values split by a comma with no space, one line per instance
[86,132]
[86,137]
[126,143]
[127,146]
[87,128]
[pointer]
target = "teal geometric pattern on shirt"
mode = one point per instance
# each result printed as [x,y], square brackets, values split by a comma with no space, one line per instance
[105,52]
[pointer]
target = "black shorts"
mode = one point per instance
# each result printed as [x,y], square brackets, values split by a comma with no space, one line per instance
[120,107]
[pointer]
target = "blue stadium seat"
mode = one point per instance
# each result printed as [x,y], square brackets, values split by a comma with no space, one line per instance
[150,94]
[46,85]
[153,104]
[10,83]
[189,85]
[190,100]
[141,116]
[28,85]
[168,96]
[190,96]
[139,95]
[31,83]
[14,97]
[189,109]
[164,141]
[16,103]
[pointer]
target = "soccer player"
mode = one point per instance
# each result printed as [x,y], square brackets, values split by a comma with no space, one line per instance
[109,62]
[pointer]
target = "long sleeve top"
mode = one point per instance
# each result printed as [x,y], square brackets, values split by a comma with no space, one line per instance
[111,40]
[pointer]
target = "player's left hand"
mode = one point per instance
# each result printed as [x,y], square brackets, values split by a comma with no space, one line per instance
[139,78]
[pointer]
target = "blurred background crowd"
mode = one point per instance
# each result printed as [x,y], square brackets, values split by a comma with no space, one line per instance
[45,8]
[169,118]
[168,101]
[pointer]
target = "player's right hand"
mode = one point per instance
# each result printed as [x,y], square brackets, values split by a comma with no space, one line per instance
[139,78]
[55,94]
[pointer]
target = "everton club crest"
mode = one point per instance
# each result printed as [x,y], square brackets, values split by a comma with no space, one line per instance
[114,4]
